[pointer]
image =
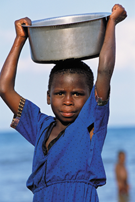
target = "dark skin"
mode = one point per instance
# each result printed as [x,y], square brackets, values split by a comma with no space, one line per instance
[67,96]
[121,174]
[105,67]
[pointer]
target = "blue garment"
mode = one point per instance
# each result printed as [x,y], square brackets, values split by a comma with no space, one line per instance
[72,169]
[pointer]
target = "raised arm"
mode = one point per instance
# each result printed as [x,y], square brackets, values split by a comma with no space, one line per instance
[8,72]
[107,54]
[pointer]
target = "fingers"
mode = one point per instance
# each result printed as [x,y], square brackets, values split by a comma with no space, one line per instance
[20,31]
[28,21]
[25,21]
[124,15]
[114,7]
[117,6]
[118,13]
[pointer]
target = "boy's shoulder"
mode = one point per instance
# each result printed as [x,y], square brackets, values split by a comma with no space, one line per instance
[34,110]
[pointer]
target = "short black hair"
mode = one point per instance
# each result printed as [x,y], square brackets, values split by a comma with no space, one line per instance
[72,67]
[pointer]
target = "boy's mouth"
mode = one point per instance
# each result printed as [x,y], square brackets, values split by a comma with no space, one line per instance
[67,114]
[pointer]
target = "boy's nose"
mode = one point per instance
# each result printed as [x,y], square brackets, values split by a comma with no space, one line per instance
[68,100]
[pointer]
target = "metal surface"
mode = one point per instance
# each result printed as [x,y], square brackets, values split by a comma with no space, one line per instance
[69,37]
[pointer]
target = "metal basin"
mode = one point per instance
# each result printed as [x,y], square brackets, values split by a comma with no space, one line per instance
[69,37]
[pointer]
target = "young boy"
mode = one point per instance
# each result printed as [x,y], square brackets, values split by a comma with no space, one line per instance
[67,164]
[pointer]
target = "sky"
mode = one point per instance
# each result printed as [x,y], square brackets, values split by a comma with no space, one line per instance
[32,78]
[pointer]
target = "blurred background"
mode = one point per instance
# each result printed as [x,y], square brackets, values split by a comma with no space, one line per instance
[32,80]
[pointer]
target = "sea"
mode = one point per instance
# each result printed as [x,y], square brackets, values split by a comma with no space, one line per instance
[16,156]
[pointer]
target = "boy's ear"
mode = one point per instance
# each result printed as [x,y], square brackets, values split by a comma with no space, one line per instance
[48,97]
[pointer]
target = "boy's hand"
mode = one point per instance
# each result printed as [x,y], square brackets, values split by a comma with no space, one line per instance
[21,31]
[118,13]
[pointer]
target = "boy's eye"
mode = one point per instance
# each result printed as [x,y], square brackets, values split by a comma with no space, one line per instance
[76,94]
[59,93]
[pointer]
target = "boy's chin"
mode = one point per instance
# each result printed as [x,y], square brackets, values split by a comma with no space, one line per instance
[67,122]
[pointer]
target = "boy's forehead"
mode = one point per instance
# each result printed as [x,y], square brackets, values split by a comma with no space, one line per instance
[69,80]
[67,76]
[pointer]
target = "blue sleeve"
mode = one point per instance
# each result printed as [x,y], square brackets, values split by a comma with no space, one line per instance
[87,112]
[93,113]
[30,121]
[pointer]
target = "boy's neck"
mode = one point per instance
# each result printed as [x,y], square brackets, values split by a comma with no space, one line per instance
[61,126]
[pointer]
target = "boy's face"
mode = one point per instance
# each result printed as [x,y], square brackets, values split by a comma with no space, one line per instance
[67,96]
